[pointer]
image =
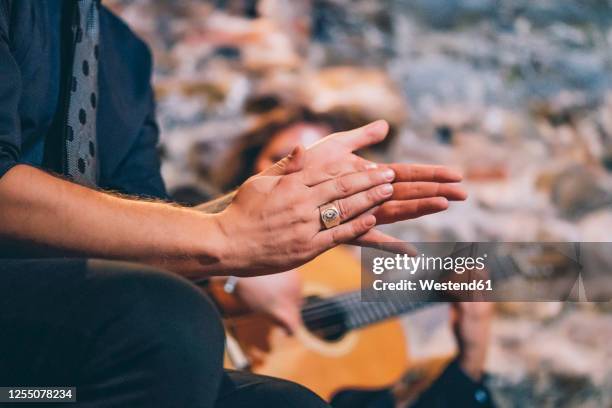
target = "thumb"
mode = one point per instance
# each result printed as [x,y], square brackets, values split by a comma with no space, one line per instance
[293,163]
[288,318]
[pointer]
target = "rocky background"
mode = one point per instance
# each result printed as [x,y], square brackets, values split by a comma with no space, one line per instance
[517,93]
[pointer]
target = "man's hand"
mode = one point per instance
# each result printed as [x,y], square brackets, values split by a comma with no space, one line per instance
[273,223]
[418,189]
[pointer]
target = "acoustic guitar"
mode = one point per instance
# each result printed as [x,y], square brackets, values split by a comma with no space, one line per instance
[344,343]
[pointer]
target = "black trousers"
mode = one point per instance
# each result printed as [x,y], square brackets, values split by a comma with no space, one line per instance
[126,336]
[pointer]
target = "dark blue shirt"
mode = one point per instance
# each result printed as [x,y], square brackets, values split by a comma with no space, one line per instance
[32,72]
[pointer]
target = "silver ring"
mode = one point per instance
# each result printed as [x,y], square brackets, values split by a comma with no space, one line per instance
[330,215]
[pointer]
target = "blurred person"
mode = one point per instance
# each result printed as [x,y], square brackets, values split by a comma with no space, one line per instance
[461,384]
[92,288]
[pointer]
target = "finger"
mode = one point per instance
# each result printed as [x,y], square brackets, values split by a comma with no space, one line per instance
[425,172]
[379,240]
[364,136]
[426,189]
[360,203]
[343,233]
[293,163]
[393,211]
[345,186]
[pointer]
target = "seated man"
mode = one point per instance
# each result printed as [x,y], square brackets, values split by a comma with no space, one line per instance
[77,306]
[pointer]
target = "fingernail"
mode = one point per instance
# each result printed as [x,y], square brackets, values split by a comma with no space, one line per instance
[386,189]
[371,166]
[389,175]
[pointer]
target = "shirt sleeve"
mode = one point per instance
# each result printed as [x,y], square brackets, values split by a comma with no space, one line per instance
[10,94]
[139,173]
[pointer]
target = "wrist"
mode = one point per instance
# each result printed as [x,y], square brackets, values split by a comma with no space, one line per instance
[220,255]
[217,250]
[198,245]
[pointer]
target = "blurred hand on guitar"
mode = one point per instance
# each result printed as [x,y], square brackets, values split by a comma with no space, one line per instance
[279,297]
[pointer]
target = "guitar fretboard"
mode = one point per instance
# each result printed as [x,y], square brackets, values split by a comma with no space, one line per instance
[353,313]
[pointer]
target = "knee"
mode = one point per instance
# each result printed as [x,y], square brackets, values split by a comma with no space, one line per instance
[180,313]
[164,313]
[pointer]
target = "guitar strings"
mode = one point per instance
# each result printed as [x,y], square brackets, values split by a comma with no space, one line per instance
[315,317]
[325,305]
[325,328]
[326,302]
[351,300]
[369,310]
[364,313]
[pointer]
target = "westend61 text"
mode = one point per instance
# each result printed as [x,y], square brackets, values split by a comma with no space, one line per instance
[432,285]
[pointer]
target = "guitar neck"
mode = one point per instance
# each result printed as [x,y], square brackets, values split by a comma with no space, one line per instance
[348,310]
[361,314]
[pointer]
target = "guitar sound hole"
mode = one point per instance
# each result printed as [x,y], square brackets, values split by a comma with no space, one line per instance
[324,318]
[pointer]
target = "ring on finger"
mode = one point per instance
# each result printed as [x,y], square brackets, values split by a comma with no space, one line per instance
[330,215]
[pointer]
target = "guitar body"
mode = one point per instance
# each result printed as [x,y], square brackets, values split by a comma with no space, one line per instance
[372,357]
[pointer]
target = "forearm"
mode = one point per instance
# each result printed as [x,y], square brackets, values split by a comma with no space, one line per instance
[39,211]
